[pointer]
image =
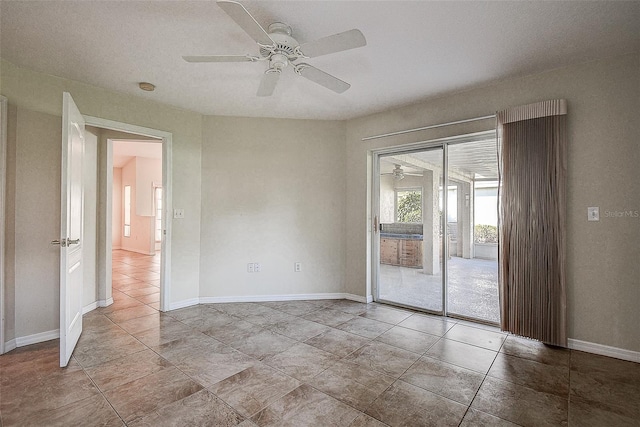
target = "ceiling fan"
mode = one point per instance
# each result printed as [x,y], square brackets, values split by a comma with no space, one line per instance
[399,173]
[280,49]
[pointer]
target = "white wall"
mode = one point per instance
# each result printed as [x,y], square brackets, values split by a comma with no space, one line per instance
[603,258]
[273,193]
[89,244]
[140,173]
[387,199]
[148,173]
[116,210]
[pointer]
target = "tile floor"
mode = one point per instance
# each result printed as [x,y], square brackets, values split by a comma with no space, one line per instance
[136,280]
[306,363]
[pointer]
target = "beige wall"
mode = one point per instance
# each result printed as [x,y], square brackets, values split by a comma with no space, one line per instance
[37,222]
[603,263]
[9,296]
[281,191]
[273,193]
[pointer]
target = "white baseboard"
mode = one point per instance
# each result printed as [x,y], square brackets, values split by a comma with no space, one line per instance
[124,248]
[358,298]
[105,303]
[10,345]
[184,303]
[89,307]
[36,338]
[604,350]
[96,304]
[267,298]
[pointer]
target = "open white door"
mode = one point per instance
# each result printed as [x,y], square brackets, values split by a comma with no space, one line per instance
[72,194]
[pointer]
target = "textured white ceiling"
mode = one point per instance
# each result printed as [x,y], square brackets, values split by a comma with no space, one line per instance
[415,50]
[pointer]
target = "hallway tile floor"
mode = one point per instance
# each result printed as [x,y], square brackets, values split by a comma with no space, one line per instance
[308,363]
[136,281]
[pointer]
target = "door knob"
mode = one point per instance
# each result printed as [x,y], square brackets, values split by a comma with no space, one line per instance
[65,242]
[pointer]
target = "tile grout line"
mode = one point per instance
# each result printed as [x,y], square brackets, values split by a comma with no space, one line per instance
[482,382]
[100,391]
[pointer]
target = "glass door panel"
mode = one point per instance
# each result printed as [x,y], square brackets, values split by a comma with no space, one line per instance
[472,231]
[409,234]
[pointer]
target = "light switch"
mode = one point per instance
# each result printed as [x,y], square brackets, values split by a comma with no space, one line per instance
[593,213]
[178,213]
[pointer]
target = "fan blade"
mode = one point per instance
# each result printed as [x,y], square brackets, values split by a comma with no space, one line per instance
[243,18]
[335,43]
[322,78]
[218,58]
[268,82]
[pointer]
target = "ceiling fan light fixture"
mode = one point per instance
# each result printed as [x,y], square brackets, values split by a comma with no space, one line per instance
[279,61]
[398,173]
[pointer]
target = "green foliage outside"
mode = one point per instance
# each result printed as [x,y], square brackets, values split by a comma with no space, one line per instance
[486,233]
[410,206]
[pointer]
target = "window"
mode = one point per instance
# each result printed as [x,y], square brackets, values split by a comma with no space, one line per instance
[158,199]
[485,212]
[409,205]
[127,211]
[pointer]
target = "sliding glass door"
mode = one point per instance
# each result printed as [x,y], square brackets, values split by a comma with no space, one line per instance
[436,228]
[410,229]
[472,231]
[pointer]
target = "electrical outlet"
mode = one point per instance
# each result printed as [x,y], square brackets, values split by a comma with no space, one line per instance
[257,267]
[178,213]
[297,267]
[250,268]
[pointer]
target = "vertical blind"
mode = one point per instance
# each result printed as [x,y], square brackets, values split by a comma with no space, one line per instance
[532,142]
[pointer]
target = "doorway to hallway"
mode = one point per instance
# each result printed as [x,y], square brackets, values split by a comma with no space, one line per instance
[434,249]
[155,222]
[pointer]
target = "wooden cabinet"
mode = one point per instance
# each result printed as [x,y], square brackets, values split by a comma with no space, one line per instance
[389,251]
[411,253]
[401,252]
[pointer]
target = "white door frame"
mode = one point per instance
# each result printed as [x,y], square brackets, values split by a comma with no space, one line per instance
[165,251]
[3,177]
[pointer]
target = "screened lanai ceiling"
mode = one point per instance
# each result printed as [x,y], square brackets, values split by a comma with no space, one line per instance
[475,160]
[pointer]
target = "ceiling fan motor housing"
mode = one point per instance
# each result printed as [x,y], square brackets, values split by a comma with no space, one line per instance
[285,44]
